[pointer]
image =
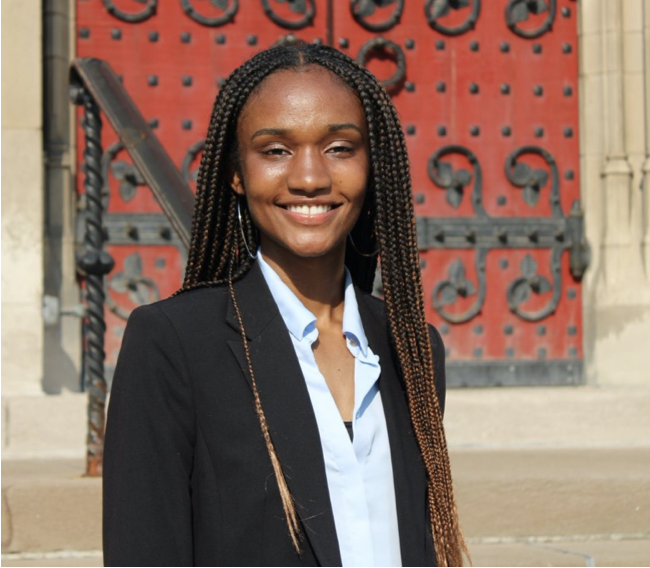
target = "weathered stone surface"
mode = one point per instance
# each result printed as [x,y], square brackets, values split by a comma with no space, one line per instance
[50,506]
[22,64]
[552,492]
[44,426]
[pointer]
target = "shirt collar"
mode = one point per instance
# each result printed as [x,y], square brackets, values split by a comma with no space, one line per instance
[299,320]
[351,319]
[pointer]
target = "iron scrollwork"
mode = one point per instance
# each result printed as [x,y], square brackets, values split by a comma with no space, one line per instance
[193,151]
[227,16]
[518,11]
[133,18]
[305,7]
[520,289]
[127,174]
[454,181]
[557,233]
[446,292]
[437,9]
[140,289]
[361,9]
[380,43]
[531,181]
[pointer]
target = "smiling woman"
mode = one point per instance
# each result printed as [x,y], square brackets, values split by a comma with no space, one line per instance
[303,153]
[273,412]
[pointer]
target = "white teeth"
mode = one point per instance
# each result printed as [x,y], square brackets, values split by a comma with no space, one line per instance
[309,209]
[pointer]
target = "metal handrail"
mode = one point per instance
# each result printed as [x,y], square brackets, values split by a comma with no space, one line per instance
[94,85]
[98,79]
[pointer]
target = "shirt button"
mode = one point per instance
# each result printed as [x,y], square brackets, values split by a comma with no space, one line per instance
[352,341]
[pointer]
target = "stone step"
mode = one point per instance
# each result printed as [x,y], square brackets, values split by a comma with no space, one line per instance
[567,552]
[49,505]
[548,492]
[504,495]
[54,426]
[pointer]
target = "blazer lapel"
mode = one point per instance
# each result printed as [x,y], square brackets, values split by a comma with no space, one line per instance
[408,470]
[288,410]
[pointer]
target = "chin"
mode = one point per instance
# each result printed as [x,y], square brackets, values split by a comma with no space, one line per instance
[314,250]
[311,253]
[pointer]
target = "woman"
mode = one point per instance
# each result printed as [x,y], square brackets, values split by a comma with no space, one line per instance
[273,412]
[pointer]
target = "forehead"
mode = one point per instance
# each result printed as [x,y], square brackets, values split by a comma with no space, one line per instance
[300,97]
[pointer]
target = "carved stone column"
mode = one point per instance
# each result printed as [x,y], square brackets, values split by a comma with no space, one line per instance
[616,171]
[645,187]
[615,165]
[646,208]
[22,203]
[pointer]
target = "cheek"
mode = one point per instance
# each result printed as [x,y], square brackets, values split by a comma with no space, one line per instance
[259,175]
[353,182]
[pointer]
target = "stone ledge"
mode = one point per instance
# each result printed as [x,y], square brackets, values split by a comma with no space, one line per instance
[552,492]
[548,417]
[547,494]
[561,552]
[44,426]
[54,426]
[49,505]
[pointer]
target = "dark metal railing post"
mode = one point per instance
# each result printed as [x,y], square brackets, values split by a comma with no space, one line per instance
[93,262]
[95,86]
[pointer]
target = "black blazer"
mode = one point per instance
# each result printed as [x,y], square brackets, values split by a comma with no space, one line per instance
[187,478]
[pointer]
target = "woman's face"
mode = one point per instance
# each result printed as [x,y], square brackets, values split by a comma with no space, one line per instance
[303,162]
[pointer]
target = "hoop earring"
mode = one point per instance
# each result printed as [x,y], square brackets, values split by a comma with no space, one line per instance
[364,254]
[241,228]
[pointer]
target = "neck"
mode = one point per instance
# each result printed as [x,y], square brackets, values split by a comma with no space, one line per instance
[317,282]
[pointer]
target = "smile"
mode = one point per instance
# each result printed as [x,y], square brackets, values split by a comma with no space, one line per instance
[309,209]
[310,214]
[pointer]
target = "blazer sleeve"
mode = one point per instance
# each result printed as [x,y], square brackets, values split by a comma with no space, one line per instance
[148,452]
[438,351]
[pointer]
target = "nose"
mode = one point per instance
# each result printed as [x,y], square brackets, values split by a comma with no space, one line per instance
[309,172]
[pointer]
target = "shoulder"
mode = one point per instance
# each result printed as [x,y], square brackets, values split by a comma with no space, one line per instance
[181,316]
[170,334]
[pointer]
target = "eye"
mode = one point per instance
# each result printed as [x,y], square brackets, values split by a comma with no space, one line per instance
[277,151]
[340,149]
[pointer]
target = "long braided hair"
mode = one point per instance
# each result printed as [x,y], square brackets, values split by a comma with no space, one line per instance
[218,256]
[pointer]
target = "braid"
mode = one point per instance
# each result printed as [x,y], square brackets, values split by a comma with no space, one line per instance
[218,257]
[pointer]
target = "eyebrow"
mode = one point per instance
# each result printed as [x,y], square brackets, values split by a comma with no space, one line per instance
[284,131]
[270,132]
[344,126]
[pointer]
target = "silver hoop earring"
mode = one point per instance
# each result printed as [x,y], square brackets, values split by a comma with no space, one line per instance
[364,254]
[241,228]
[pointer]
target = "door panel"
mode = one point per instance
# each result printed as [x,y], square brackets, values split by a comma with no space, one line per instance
[488,101]
[487,95]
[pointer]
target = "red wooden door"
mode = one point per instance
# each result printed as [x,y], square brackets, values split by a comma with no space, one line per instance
[487,93]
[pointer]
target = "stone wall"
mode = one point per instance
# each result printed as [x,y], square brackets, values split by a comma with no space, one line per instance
[614,133]
[22,197]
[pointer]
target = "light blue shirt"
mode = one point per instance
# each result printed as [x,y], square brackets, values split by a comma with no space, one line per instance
[359,473]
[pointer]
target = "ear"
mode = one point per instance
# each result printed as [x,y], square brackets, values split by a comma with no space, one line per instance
[237,183]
